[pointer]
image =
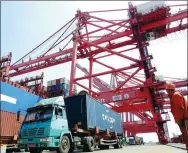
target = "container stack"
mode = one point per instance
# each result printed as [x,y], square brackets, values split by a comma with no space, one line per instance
[59,87]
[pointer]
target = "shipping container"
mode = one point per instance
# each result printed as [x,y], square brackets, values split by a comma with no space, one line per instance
[58,92]
[9,124]
[91,113]
[63,82]
[53,82]
[48,88]
[9,127]
[58,81]
[59,87]
[14,99]
[49,83]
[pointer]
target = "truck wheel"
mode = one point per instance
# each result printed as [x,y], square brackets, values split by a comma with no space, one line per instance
[65,145]
[117,146]
[91,144]
[85,144]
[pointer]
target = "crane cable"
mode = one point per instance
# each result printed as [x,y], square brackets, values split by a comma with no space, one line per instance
[44,41]
[60,36]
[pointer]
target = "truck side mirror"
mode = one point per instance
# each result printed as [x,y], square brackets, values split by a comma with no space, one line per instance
[18,116]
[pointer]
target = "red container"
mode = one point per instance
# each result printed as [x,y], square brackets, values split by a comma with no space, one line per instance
[9,124]
[58,81]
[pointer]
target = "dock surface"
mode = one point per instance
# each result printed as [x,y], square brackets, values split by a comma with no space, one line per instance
[154,148]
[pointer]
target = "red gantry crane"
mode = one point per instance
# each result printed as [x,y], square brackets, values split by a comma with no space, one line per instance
[98,38]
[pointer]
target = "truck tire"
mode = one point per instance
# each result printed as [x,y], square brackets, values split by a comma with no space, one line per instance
[65,145]
[117,145]
[89,144]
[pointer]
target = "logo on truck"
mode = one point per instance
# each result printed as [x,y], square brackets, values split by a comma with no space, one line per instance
[107,118]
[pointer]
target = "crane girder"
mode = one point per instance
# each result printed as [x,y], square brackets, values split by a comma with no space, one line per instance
[35,64]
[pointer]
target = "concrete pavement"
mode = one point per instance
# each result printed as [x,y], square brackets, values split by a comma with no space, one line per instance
[136,149]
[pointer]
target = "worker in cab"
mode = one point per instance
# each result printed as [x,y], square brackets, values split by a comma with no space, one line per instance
[179,109]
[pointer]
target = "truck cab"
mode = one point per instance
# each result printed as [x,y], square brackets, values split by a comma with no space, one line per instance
[45,127]
[132,140]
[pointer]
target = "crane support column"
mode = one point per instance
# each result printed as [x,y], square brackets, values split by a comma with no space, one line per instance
[90,73]
[74,56]
[148,69]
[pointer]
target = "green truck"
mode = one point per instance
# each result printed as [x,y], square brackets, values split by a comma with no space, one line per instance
[78,122]
[131,140]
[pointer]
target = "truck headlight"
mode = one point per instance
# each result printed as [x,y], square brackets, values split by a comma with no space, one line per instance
[19,141]
[45,139]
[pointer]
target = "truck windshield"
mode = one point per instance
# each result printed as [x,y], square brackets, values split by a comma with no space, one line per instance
[39,114]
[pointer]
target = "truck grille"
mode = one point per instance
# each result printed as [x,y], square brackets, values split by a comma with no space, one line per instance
[33,132]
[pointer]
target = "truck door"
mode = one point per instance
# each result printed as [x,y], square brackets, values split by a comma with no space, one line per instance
[61,118]
[60,121]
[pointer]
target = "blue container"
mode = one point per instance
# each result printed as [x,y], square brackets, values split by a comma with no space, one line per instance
[53,87]
[14,99]
[91,114]
[57,86]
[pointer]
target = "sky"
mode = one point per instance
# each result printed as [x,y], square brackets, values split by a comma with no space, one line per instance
[25,24]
